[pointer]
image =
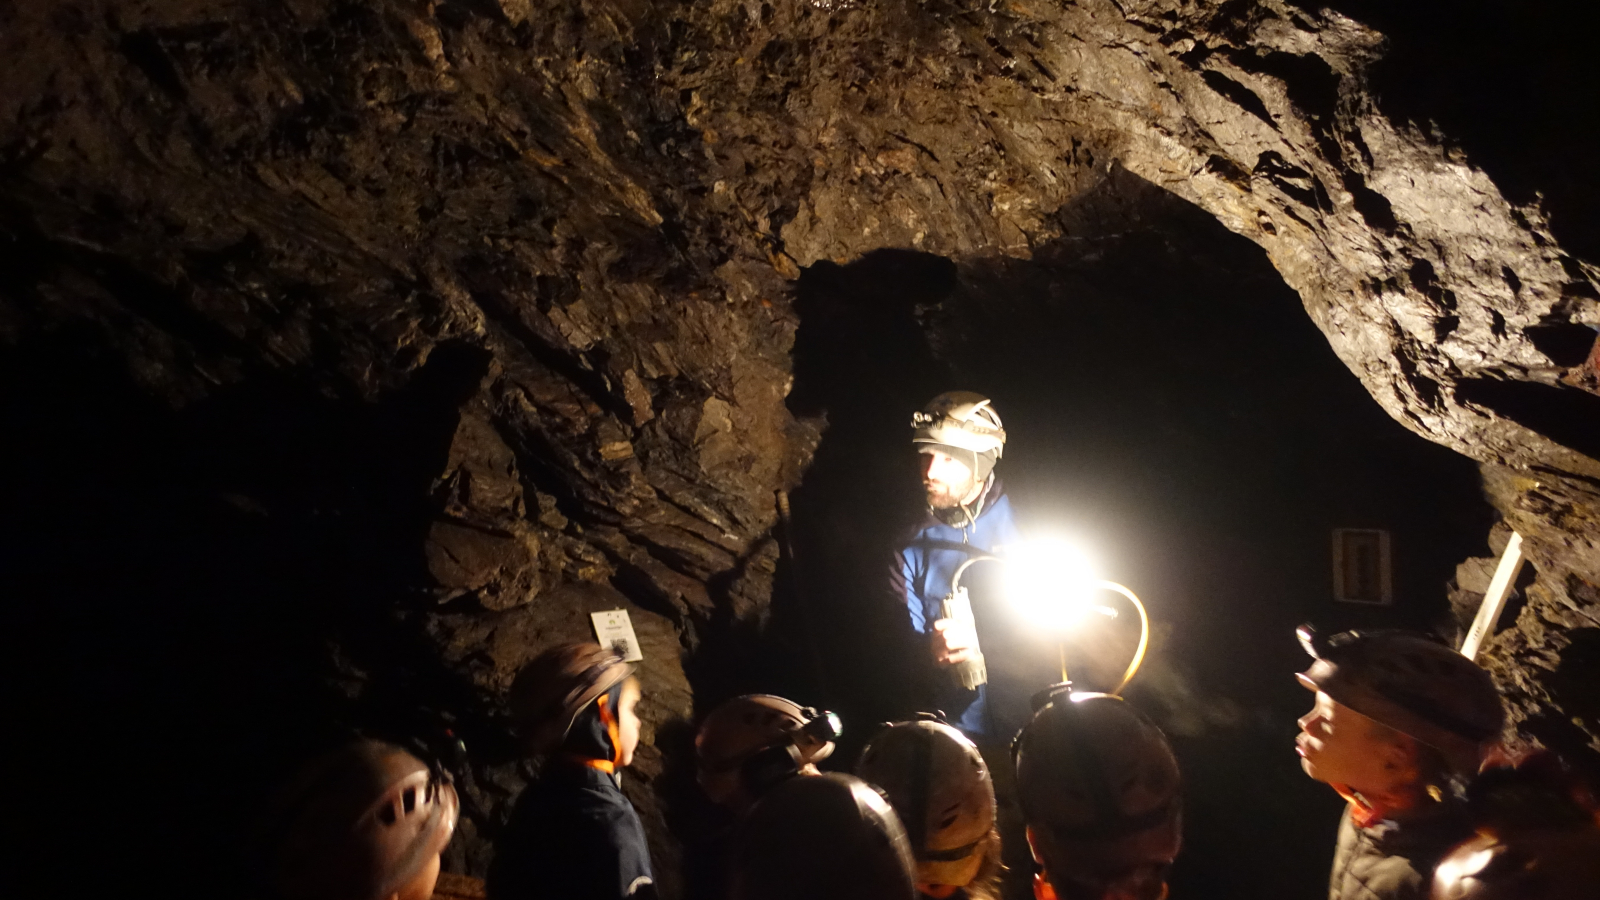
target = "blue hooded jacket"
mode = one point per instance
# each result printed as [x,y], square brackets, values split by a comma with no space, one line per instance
[924,566]
[572,833]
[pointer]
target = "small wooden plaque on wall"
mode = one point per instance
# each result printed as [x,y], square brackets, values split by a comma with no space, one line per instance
[1361,566]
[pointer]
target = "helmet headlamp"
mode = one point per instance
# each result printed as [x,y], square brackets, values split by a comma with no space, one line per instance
[806,745]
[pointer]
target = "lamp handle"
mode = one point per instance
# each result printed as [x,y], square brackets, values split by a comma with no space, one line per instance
[1144,633]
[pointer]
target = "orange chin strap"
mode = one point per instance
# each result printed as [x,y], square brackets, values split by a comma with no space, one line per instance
[1365,812]
[936,891]
[608,720]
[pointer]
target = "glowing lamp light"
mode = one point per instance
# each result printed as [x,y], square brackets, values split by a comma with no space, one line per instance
[1052,583]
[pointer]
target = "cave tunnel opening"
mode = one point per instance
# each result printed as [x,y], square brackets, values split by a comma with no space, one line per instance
[1168,400]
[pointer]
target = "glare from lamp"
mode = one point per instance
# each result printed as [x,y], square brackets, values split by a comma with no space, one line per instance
[1051,582]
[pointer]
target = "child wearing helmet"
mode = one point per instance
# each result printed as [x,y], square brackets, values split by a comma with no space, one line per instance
[1100,794]
[752,742]
[573,834]
[365,822]
[938,784]
[745,747]
[830,837]
[1396,719]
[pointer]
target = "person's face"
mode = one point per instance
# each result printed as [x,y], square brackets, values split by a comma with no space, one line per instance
[948,480]
[1338,745]
[627,723]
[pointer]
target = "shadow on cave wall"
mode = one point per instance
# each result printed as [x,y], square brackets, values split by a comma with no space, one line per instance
[1169,401]
[216,589]
[862,359]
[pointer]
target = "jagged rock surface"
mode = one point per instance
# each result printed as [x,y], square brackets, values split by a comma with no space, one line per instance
[600,204]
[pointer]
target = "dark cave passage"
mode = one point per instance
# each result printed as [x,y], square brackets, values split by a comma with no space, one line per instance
[1169,404]
[219,585]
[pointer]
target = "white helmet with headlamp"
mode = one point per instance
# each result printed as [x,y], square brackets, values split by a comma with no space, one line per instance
[962,425]
[961,419]
[752,742]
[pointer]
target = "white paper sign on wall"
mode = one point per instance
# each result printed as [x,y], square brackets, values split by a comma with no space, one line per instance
[614,629]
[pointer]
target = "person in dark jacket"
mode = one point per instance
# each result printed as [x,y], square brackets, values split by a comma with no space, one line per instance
[1397,721]
[573,835]
[746,747]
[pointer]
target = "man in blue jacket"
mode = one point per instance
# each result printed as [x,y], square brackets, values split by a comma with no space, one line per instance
[958,437]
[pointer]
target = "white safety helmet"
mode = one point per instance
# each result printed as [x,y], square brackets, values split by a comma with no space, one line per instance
[359,823]
[961,419]
[751,742]
[937,782]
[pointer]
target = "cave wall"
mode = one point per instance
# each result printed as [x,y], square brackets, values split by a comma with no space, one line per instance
[584,220]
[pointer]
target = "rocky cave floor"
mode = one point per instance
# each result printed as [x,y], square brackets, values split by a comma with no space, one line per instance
[350,353]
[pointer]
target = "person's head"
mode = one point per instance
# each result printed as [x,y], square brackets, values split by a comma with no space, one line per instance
[578,699]
[365,822]
[939,786]
[1099,789]
[1537,836]
[1340,746]
[958,437]
[752,742]
[832,837]
[1394,714]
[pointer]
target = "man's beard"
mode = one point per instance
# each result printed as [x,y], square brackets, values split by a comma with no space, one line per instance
[944,496]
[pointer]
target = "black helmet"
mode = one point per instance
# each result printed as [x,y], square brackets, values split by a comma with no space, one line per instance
[753,741]
[831,836]
[1099,789]
[1538,837]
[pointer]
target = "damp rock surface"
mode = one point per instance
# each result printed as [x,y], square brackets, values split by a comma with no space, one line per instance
[510,285]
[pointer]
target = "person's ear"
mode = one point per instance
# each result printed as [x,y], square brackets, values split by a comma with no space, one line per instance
[1400,755]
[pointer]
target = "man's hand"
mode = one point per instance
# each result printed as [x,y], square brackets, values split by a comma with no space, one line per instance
[952,641]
